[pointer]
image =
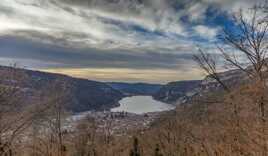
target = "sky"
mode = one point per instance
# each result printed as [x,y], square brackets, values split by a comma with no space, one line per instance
[113,40]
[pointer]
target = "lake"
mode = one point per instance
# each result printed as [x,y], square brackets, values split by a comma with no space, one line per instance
[141,105]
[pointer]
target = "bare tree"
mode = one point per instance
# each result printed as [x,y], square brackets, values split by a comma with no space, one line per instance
[57,113]
[208,63]
[252,44]
[13,118]
[248,41]
[16,114]
[86,137]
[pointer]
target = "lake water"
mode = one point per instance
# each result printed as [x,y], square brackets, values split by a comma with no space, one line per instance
[141,105]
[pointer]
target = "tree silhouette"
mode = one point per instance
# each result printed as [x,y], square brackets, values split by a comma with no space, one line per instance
[135,151]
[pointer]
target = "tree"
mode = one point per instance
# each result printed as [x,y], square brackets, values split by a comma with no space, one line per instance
[85,137]
[16,113]
[57,114]
[47,136]
[14,116]
[248,41]
[136,150]
[157,151]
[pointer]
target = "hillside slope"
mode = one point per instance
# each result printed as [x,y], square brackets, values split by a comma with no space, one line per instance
[174,92]
[84,94]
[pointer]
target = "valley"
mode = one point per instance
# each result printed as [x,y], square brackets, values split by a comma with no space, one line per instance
[124,107]
[134,78]
[182,107]
[87,95]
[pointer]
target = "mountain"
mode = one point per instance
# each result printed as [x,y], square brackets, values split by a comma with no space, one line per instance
[84,95]
[88,95]
[130,89]
[231,79]
[183,91]
[174,92]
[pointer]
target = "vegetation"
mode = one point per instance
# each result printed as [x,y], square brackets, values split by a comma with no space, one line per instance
[233,122]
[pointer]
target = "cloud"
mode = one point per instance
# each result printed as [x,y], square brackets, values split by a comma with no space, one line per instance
[206,32]
[105,23]
[119,34]
[58,56]
[131,75]
[233,6]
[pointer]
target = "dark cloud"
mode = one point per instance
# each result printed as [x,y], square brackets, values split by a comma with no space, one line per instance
[133,34]
[89,57]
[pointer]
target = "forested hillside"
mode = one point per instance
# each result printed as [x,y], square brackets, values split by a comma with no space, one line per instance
[83,95]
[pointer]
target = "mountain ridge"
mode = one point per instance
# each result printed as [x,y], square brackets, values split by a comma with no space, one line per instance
[132,89]
[86,94]
[177,92]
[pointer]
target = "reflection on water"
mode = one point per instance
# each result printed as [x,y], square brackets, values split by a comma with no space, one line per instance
[141,105]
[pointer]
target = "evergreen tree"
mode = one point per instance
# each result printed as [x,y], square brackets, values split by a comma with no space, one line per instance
[135,151]
[157,151]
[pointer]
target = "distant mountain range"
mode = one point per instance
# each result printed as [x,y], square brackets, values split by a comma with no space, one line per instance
[130,89]
[183,91]
[84,94]
[88,95]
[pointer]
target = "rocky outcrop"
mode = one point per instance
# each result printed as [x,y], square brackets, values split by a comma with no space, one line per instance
[177,92]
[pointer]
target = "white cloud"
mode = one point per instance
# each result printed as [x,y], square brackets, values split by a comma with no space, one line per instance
[206,32]
[136,28]
[234,5]
[197,11]
[94,24]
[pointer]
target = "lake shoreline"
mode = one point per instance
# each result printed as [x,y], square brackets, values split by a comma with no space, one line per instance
[141,105]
